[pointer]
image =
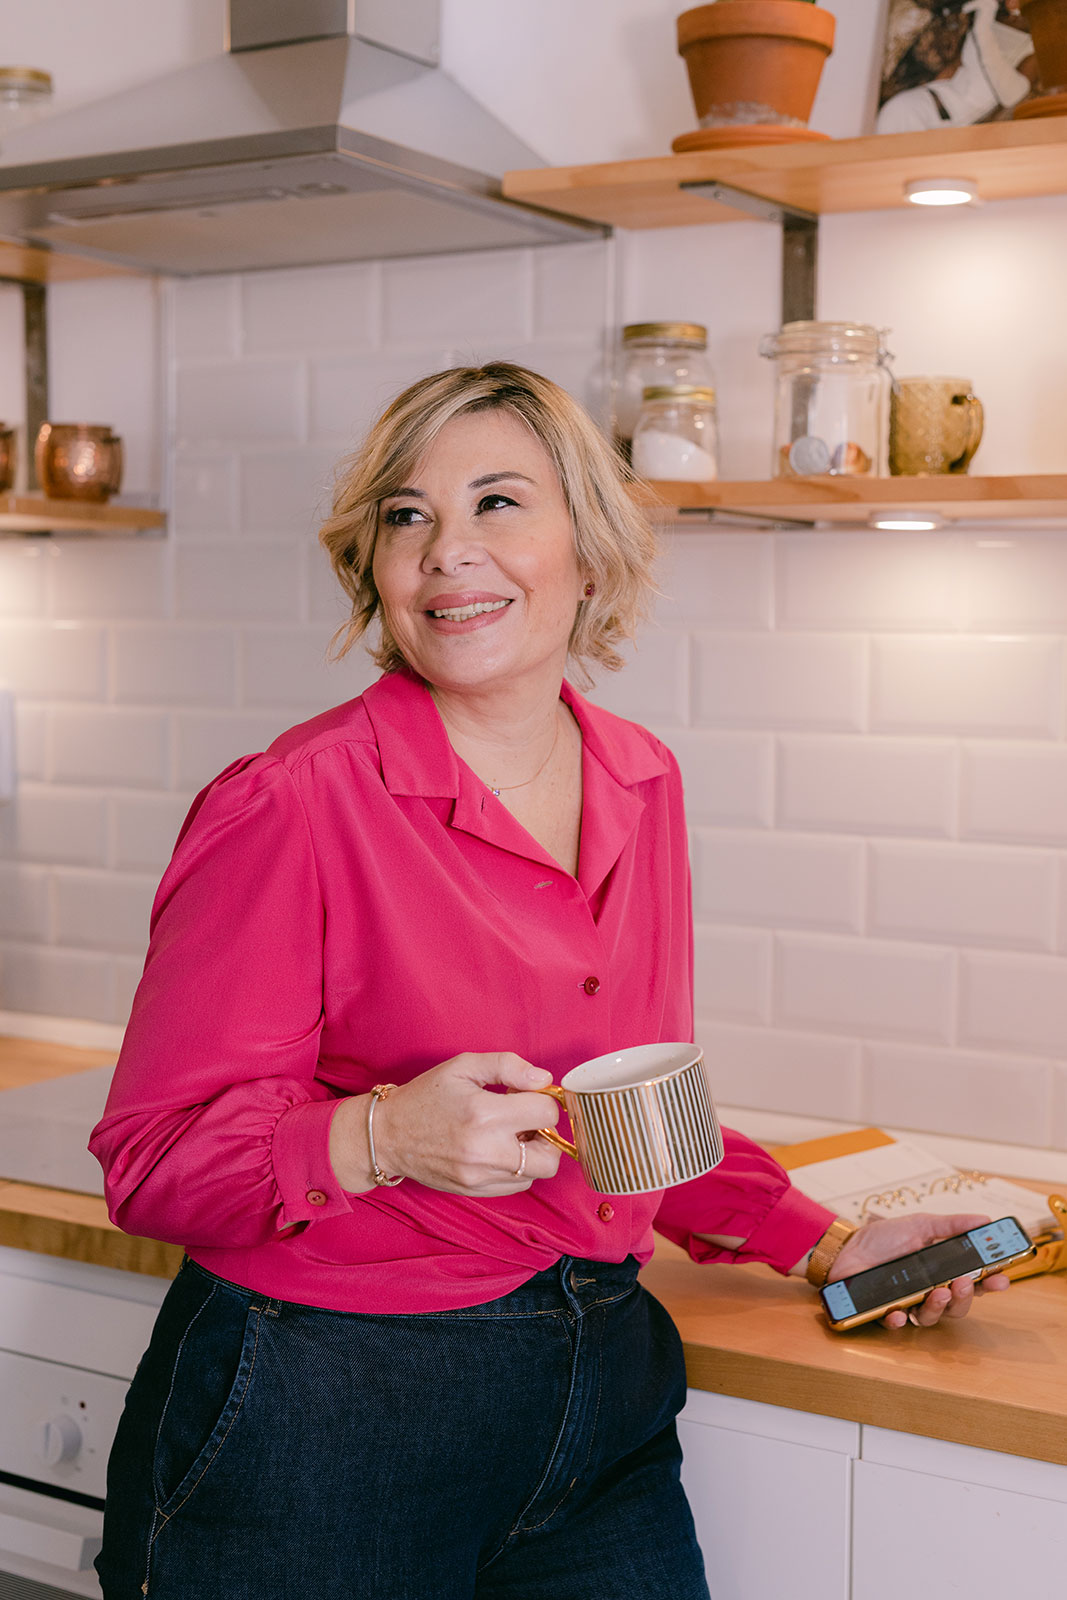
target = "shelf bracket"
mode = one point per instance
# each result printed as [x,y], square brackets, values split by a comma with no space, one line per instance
[758,521]
[800,242]
[35,363]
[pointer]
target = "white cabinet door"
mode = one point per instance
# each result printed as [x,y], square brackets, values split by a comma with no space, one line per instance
[760,1479]
[948,1519]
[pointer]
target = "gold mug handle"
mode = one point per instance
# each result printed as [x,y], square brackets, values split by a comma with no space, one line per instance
[975,424]
[550,1133]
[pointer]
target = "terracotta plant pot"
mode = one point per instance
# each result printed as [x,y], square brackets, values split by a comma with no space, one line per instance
[1047,22]
[754,67]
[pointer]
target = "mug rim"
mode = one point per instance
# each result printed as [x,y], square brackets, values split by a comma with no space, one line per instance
[623,1088]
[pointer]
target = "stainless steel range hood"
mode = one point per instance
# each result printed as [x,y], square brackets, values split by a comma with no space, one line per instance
[324,134]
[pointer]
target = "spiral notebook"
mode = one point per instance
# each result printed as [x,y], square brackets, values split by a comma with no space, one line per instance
[870,1174]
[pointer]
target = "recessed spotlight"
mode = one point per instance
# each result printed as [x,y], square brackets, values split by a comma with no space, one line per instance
[906,521]
[941,192]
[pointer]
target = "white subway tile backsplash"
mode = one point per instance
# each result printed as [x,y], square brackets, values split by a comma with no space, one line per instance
[31,725]
[1014,1002]
[143,829]
[964,895]
[24,902]
[232,583]
[23,571]
[867,785]
[205,495]
[288,667]
[206,742]
[728,777]
[316,308]
[1016,580]
[250,400]
[570,290]
[1058,1138]
[57,983]
[52,660]
[773,1069]
[46,823]
[1011,687]
[732,973]
[181,665]
[778,880]
[205,315]
[777,680]
[865,987]
[996,1097]
[576,365]
[128,970]
[348,392]
[103,910]
[109,746]
[287,492]
[108,578]
[651,687]
[1014,793]
[868,580]
[327,601]
[445,300]
[710,578]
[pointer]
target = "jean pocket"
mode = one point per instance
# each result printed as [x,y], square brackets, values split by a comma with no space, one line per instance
[209,1383]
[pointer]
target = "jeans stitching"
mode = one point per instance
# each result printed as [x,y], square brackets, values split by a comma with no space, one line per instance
[591,1434]
[167,1515]
[173,1379]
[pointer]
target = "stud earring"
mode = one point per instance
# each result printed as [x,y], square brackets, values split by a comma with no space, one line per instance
[589,590]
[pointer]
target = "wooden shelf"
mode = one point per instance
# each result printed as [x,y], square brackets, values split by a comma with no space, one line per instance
[33,513]
[29,264]
[850,502]
[1007,160]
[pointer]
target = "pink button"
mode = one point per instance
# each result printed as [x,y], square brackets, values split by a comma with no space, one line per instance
[315,1197]
[605,1212]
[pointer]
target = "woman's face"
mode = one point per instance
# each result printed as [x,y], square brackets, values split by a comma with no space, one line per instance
[474,561]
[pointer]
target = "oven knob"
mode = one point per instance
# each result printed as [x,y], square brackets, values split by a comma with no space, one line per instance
[58,1440]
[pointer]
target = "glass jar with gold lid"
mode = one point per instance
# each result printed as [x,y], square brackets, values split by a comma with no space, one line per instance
[653,354]
[675,437]
[24,94]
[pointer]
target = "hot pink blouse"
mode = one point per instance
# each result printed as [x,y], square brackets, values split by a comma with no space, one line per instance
[354,907]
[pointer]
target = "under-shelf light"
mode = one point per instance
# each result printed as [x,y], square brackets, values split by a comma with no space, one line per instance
[941,192]
[906,521]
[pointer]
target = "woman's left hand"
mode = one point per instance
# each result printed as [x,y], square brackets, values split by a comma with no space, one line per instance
[882,1239]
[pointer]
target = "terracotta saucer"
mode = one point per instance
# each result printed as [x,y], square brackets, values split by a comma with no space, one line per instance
[742,133]
[1043,105]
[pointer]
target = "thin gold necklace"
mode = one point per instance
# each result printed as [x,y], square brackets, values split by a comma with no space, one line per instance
[505,788]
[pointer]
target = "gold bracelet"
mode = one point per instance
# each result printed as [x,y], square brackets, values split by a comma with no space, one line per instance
[381,1091]
[827,1251]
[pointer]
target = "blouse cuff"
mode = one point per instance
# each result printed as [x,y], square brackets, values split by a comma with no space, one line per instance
[789,1230]
[303,1171]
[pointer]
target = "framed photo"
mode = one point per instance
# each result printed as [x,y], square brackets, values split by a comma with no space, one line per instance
[948,63]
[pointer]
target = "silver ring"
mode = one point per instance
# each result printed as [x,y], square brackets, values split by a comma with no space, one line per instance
[521,1168]
[913,1318]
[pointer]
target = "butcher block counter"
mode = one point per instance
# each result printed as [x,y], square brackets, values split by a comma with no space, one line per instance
[997,1380]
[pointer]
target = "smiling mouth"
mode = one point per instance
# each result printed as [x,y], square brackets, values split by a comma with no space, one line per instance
[464,613]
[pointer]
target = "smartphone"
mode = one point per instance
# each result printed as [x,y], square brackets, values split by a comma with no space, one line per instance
[897,1284]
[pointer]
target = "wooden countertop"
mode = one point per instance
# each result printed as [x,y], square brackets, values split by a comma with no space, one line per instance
[997,1380]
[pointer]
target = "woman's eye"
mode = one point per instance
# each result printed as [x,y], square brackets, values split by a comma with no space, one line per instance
[493,502]
[401,516]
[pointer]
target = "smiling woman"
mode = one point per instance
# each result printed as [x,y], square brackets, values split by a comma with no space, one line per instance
[408,1354]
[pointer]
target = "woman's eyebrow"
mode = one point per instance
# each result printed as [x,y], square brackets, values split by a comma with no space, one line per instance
[497,477]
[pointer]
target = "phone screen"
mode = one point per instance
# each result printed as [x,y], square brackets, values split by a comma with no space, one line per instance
[934,1264]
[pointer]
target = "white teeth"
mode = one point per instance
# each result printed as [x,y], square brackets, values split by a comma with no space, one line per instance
[462,613]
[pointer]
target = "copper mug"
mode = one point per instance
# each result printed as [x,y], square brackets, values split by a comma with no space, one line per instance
[8,458]
[642,1119]
[78,461]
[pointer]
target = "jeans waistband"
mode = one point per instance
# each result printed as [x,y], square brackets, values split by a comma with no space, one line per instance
[572,1284]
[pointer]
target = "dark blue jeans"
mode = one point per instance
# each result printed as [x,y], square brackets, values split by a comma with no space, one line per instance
[520,1450]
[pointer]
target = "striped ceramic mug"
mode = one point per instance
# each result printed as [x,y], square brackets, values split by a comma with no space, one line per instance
[642,1119]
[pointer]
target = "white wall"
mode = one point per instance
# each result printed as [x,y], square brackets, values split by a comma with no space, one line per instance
[872,727]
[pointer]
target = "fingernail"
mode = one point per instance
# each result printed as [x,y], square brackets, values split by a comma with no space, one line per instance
[539,1076]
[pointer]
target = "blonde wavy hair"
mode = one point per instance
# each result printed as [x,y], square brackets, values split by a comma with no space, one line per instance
[613,541]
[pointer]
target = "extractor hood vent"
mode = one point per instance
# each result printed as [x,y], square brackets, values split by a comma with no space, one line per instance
[279,153]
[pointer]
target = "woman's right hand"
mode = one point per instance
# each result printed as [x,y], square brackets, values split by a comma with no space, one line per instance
[447,1131]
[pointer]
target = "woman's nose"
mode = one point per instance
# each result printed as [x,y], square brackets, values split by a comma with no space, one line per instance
[451,546]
